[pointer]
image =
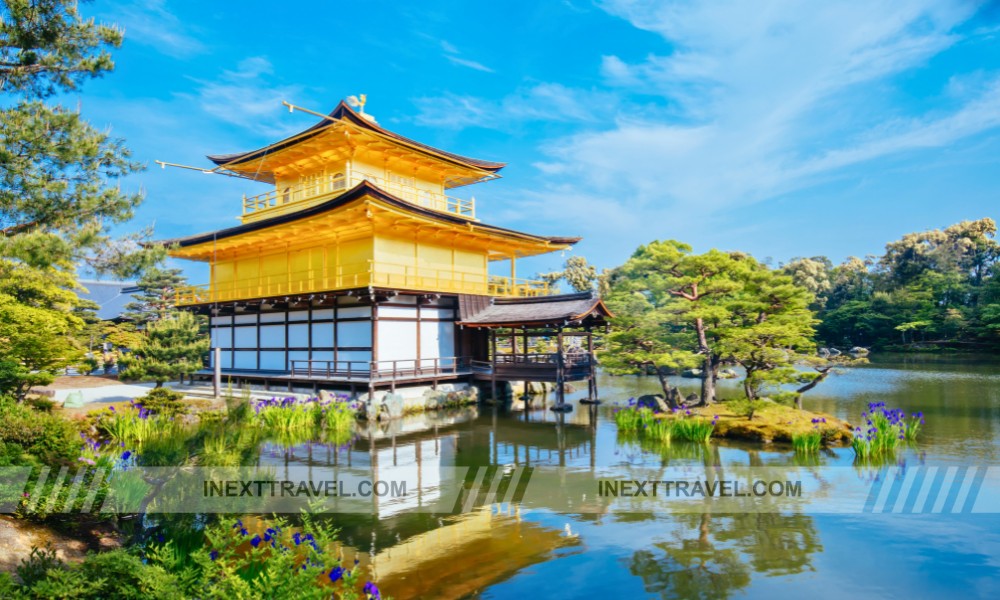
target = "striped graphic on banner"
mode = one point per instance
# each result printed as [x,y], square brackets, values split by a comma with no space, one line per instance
[926,490]
[493,485]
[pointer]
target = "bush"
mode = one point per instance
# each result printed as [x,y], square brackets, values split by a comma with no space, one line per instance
[271,560]
[163,401]
[49,438]
[744,408]
[41,403]
[113,574]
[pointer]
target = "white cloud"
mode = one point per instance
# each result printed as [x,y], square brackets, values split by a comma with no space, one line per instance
[150,23]
[249,97]
[763,99]
[452,54]
[540,102]
[463,62]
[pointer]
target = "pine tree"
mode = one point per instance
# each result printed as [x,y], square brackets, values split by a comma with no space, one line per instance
[154,301]
[172,347]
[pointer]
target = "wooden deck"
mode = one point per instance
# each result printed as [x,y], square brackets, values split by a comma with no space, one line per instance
[352,374]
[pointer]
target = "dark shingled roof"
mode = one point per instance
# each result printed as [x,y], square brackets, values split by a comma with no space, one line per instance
[542,310]
[112,296]
[346,113]
[354,193]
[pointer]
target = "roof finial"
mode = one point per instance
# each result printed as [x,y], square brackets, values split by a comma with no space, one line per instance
[358,102]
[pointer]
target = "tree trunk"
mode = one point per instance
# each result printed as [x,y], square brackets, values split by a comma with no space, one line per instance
[670,392]
[159,384]
[707,379]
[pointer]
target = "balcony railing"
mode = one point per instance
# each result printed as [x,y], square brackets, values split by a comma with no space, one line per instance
[385,369]
[289,199]
[521,288]
[357,275]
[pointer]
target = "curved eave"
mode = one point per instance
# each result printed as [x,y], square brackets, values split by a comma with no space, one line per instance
[357,192]
[343,112]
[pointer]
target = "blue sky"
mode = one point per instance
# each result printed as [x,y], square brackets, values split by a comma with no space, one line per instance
[779,128]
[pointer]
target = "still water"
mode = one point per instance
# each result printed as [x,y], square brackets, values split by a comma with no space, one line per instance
[502,552]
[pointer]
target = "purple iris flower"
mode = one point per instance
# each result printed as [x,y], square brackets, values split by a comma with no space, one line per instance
[255,541]
[371,590]
[336,573]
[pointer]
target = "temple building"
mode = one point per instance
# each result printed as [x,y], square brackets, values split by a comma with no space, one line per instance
[359,270]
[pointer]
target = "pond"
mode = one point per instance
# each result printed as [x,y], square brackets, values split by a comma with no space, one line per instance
[505,550]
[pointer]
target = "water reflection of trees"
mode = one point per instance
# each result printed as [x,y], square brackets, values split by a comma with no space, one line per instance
[713,556]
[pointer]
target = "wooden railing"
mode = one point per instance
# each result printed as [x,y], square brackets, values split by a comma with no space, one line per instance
[520,288]
[374,370]
[356,275]
[292,198]
[547,365]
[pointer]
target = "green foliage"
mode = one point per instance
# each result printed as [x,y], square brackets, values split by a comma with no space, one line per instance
[130,425]
[885,429]
[272,560]
[34,343]
[808,442]
[172,347]
[676,310]
[114,574]
[164,402]
[743,407]
[154,300]
[935,288]
[694,429]
[37,437]
[42,404]
[642,421]
[577,272]
[48,47]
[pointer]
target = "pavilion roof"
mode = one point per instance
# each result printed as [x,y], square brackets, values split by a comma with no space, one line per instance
[344,114]
[540,311]
[362,190]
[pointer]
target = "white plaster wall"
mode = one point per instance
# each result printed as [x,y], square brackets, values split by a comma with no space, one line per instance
[397,340]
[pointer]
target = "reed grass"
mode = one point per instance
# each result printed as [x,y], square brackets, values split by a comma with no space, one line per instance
[808,442]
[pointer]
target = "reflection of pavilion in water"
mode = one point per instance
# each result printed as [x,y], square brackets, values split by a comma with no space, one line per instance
[418,553]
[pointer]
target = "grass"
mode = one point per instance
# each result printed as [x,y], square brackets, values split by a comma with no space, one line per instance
[294,420]
[131,425]
[808,442]
[771,422]
[687,426]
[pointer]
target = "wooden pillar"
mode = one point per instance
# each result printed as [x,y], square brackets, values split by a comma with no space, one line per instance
[493,370]
[217,371]
[560,373]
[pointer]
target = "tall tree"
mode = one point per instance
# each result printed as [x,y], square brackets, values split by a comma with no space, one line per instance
[577,272]
[688,296]
[59,176]
[154,302]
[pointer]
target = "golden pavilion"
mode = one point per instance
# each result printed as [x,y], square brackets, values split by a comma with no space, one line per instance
[359,269]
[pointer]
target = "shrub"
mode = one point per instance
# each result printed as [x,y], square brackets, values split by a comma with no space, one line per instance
[163,401]
[113,574]
[44,436]
[745,408]
[41,403]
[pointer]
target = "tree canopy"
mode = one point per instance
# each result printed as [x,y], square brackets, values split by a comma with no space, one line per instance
[677,310]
